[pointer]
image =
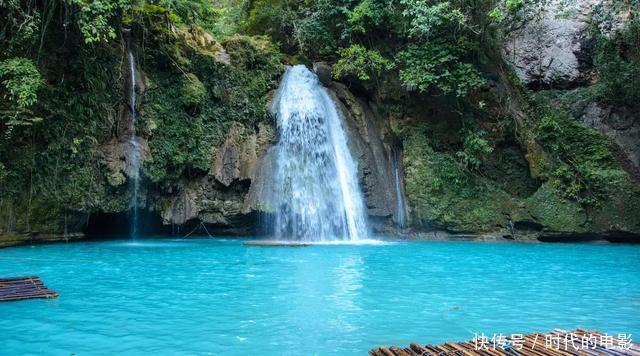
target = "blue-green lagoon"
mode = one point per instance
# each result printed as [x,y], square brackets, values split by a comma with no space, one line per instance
[217,296]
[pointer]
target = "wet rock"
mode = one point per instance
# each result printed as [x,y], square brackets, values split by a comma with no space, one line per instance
[323,71]
[365,131]
[182,207]
[206,200]
[261,185]
[254,147]
[116,152]
[117,157]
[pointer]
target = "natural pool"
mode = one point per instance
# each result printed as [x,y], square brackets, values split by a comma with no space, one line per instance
[217,296]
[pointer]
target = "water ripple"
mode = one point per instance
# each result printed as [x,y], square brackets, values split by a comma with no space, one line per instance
[221,297]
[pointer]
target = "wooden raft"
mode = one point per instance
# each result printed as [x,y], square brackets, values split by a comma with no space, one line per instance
[23,288]
[535,344]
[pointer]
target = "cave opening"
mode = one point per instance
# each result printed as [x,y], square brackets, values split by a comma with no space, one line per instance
[103,224]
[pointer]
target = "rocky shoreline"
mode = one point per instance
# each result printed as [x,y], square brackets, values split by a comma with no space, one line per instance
[406,235]
[33,239]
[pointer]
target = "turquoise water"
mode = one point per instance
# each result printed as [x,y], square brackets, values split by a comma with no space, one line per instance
[210,296]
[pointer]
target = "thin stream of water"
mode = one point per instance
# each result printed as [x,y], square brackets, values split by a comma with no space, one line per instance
[134,148]
[400,212]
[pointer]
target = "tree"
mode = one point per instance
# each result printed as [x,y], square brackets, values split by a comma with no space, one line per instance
[362,63]
[438,64]
[428,19]
[20,81]
[95,18]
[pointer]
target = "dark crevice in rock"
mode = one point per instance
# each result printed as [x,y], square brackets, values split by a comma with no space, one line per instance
[107,224]
[119,224]
[238,225]
[509,168]
[151,223]
[622,237]
[527,226]
[610,236]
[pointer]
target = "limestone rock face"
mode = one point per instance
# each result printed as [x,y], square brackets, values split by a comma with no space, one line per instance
[116,152]
[208,201]
[238,156]
[620,125]
[227,164]
[261,185]
[552,49]
[218,199]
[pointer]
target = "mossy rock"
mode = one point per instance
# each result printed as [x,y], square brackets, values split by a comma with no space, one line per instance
[554,212]
[621,212]
[116,178]
[442,193]
[192,112]
[509,170]
[194,93]
[251,52]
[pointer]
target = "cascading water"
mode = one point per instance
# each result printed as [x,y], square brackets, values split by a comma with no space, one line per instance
[316,192]
[134,147]
[400,213]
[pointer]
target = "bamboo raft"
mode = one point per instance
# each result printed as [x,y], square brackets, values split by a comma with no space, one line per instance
[563,343]
[22,288]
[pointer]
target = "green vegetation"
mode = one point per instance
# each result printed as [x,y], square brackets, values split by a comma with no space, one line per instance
[476,148]
[434,45]
[191,113]
[437,64]
[617,60]
[94,18]
[442,191]
[360,63]
[584,166]
[62,90]
[479,150]
[21,80]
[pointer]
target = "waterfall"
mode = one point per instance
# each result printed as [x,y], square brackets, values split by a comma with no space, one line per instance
[134,147]
[400,212]
[316,196]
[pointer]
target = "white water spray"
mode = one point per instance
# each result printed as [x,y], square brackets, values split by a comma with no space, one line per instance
[134,148]
[316,193]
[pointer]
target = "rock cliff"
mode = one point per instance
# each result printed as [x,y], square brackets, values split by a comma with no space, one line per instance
[231,195]
[552,48]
